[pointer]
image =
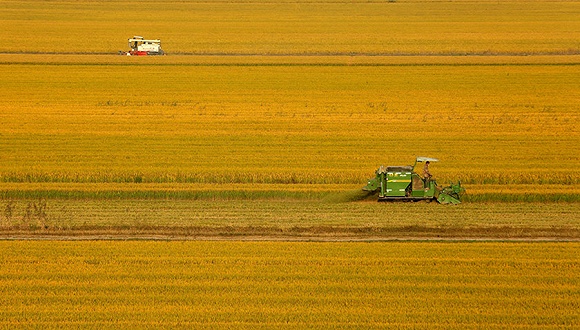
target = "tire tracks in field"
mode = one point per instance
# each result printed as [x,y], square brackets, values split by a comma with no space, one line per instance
[308,233]
[319,54]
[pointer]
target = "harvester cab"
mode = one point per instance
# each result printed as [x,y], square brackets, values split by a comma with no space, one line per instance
[141,47]
[405,184]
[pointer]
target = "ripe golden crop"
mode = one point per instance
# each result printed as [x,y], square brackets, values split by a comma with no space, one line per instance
[325,118]
[326,285]
[295,27]
[287,123]
[264,118]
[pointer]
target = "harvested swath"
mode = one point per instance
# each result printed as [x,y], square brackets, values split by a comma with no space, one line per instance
[251,219]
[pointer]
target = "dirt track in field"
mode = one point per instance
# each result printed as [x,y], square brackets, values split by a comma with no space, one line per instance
[312,233]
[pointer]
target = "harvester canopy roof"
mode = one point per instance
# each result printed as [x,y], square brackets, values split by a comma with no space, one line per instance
[426,159]
[145,40]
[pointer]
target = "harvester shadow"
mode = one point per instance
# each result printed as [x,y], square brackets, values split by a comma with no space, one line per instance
[349,196]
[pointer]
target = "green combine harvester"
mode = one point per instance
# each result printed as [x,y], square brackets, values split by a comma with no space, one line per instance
[405,184]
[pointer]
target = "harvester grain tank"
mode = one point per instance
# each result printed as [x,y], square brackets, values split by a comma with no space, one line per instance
[142,47]
[405,184]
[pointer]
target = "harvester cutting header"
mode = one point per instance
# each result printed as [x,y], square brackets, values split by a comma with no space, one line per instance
[142,47]
[404,183]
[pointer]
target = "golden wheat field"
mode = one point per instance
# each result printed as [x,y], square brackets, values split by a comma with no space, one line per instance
[264,285]
[300,27]
[290,114]
[288,123]
[135,192]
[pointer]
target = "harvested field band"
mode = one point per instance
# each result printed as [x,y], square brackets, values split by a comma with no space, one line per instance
[285,219]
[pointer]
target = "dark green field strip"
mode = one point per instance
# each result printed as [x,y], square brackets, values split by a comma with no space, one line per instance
[265,194]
